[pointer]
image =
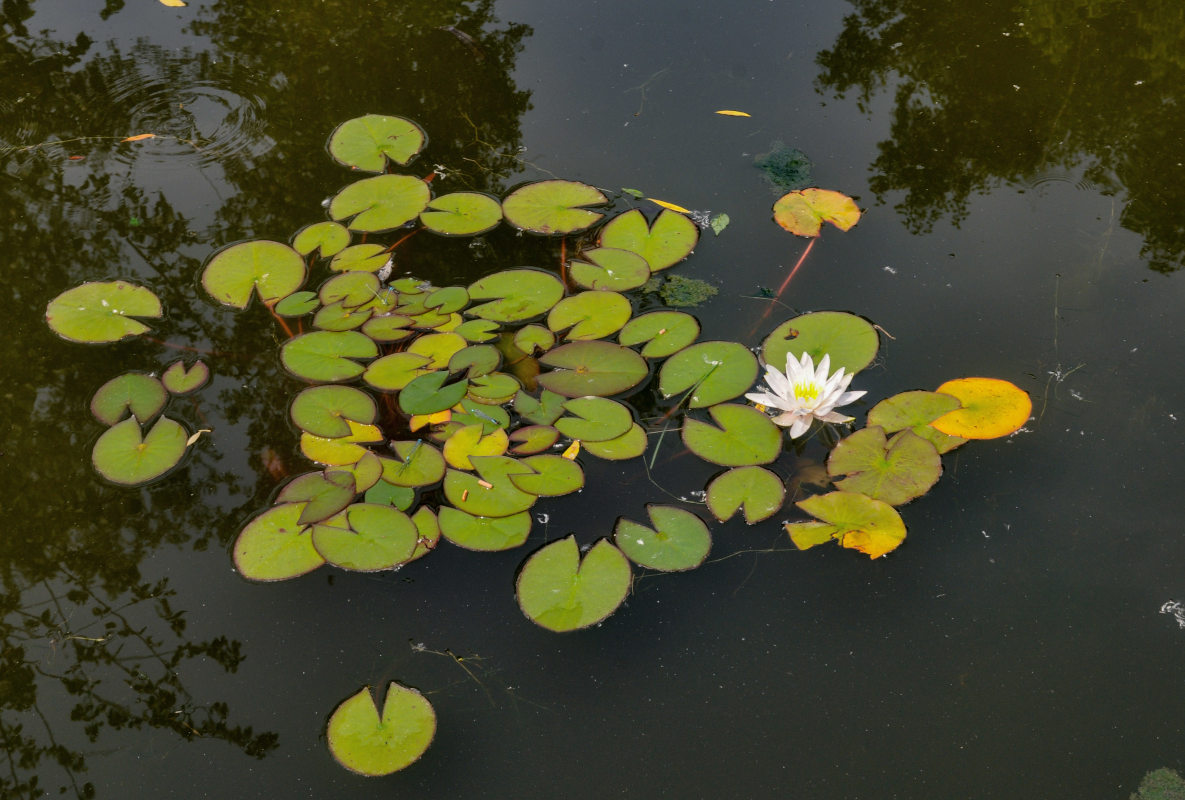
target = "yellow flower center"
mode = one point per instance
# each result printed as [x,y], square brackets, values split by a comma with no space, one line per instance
[806,392]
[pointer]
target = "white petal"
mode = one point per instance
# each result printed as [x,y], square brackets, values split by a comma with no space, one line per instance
[800,426]
[776,380]
[770,401]
[835,416]
[848,397]
[824,368]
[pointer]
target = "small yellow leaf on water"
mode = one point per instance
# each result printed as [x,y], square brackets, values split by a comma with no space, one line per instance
[734,113]
[173,3]
[671,206]
[140,136]
[197,436]
[572,451]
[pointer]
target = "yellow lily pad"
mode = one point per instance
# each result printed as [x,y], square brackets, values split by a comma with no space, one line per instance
[991,408]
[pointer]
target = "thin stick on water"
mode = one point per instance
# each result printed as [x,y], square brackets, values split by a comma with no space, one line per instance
[778,295]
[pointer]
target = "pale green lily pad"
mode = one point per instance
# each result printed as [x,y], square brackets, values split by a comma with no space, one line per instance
[447,299]
[378,537]
[664,332]
[360,258]
[713,371]
[534,339]
[391,373]
[668,241]
[594,419]
[385,494]
[274,546]
[429,393]
[325,355]
[596,367]
[297,304]
[590,315]
[515,295]
[857,521]
[679,540]
[609,268]
[179,380]
[488,534]
[755,489]
[366,471]
[744,437]
[429,530]
[470,440]
[477,330]
[559,591]
[388,327]
[322,493]
[337,317]
[475,360]
[542,410]
[494,389]
[851,341]
[630,444]
[533,439]
[896,471]
[323,410]
[125,455]
[380,204]
[554,476]
[473,411]
[492,494]
[327,237]
[142,395]
[270,269]
[102,312]
[553,207]
[415,464]
[363,742]
[916,410]
[439,348]
[462,214]
[368,142]
[353,289]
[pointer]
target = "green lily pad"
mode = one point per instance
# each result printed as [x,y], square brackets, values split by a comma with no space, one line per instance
[270,269]
[630,444]
[462,214]
[388,327]
[596,367]
[179,380]
[375,537]
[533,339]
[678,541]
[325,355]
[553,476]
[337,317]
[438,347]
[896,471]
[297,304]
[363,742]
[322,493]
[713,371]
[384,494]
[515,295]
[429,393]
[143,395]
[351,289]
[327,237]
[360,258]
[590,315]
[102,312]
[323,410]
[664,332]
[429,530]
[492,494]
[416,464]
[447,299]
[487,534]
[475,360]
[857,521]
[471,440]
[274,546]
[745,436]
[851,342]
[559,591]
[490,417]
[553,207]
[609,268]
[915,411]
[391,373]
[494,389]
[755,489]
[382,203]
[477,330]
[668,241]
[366,471]
[542,410]
[594,419]
[533,439]
[125,455]
[368,142]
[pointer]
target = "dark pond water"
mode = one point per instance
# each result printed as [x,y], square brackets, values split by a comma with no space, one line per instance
[1022,170]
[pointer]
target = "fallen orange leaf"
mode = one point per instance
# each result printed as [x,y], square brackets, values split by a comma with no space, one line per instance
[803,212]
[671,206]
[140,136]
[734,114]
[991,408]
[571,451]
[173,3]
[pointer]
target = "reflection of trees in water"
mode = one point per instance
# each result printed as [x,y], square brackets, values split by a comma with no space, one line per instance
[990,93]
[90,646]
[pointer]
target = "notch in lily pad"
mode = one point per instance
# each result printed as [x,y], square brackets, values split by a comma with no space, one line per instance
[668,241]
[270,269]
[126,455]
[369,142]
[362,741]
[755,490]
[560,591]
[679,540]
[102,311]
[142,395]
[180,380]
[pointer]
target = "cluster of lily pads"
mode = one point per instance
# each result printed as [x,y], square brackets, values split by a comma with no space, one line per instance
[447,411]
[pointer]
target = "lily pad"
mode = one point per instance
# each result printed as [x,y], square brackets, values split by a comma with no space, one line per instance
[382,203]
[327,237]
[274,546]
[559,591]
[668,241]
[532,339]
[679,540]
[713,371]
[477,330]
[470,440]
[324,356]
[857,521]
[542,410]
[429,530]
[896,471]
[429,393]
[594,419]
[553,207]
[270,269]
[395,371]
[447,299]
[336,317]
[368,142]
[804,211]
[494,389]
[744,437]
[363,742]
[377,537]
[462,214]
[323,410]
[487,534]
[590,315]
[596,367]
[125,455]
[755,489]
[630,444]
[351,289]
[664,332]
[387,328]
[366,471]
[515,295]
[915,411]
[533,439]
[553,476]
[322,493]
[142,395]
[102,312]
[384,494]
[492,494]
[609,268]
[297,304]
[991,408]
[360,258]
[851,341]
[416,464]
[179,380]
[331,452]
[475,360]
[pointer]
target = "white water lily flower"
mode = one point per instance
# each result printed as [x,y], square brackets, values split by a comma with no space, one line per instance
[805,394]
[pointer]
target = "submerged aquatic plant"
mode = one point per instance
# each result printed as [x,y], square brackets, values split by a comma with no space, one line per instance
[805,394]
